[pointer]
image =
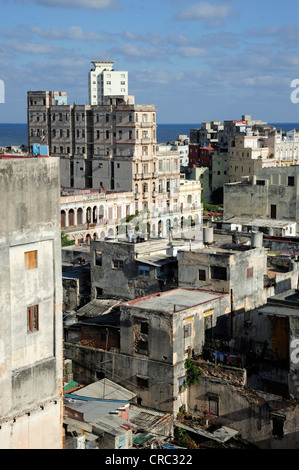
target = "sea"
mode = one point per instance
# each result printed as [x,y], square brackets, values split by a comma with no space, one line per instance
[16,134]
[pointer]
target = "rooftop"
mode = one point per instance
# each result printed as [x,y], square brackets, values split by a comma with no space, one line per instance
[106,389]
[175,300]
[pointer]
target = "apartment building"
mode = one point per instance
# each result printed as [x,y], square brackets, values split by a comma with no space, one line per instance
[31,341]
[246,154]
[110,147]
[105,81]
[219,170]
[208,134]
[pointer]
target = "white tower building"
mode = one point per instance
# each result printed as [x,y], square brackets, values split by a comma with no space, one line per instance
[104,81]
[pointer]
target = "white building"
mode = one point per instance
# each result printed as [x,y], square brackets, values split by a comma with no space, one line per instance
[105,81]
[285,148]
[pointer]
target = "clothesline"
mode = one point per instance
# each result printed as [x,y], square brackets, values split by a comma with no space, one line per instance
[226,357]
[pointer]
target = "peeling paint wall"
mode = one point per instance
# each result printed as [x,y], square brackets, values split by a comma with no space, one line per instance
[31,362]
[242,273]
[124,281]
[247,410]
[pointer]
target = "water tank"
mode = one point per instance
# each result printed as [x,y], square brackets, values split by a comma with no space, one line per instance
[257,240]
[208,235]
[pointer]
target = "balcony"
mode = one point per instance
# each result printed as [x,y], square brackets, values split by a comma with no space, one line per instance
[147,124]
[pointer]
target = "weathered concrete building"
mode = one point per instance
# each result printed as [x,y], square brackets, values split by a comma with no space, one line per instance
[156,335]
[31,359]
[272,193]
[235,268]
[223,398]
[129,269]
[269,337]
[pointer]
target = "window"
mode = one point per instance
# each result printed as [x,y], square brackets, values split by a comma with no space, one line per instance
[32,318]
[118,264]
[102,336]
[218,272]
[187,330]
[214,405]
[277,426]
[143,271]
[142,347]
[142,382]
[30,259]
[260,182]
[144,327]
[99,292]
[291,180]
[249,272]
[201,275]
[98,258]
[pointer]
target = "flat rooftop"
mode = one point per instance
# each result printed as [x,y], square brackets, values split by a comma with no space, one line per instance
[285,304]
[259,222]
[175,300]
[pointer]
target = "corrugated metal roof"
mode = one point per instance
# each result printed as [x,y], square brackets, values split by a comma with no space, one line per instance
[106,389]
[70,386]
[147,419]
[98,307]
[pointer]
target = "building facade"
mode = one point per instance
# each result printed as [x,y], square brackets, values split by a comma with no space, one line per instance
[272,193]
[245,155]
[105,81]
[284,148]
[31,360]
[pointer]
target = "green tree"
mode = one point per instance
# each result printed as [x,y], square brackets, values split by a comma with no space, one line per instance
[193,373]
[65,241]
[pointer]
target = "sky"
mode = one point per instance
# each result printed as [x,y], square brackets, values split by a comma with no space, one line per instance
[194,60]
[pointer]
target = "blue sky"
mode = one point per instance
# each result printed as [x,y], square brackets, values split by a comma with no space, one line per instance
[195,61]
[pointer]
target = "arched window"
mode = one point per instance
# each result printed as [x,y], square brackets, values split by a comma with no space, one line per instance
[62,218]
[80,216]
[71,217]
[88,215]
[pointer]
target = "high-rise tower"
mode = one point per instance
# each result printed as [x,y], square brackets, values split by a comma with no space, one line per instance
[105,81]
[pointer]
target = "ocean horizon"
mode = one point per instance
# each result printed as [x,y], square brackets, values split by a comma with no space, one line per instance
[16,134]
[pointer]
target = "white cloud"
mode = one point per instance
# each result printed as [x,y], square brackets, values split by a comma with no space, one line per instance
[134,52]
[74,33]
[33,48]
[190,51]
[206,12]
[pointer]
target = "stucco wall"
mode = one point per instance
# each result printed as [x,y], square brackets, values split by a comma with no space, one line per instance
[31,362]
